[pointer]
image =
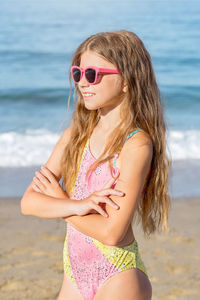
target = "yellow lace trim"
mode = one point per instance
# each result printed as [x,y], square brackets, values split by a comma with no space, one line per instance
[72,186]
[66,261]
[123,258]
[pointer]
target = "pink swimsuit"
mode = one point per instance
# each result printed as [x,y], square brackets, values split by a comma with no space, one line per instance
[88,262]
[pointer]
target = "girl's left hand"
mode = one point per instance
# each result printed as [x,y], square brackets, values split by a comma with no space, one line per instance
[46,183]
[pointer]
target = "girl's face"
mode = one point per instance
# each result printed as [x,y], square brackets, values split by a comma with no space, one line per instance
[105,94]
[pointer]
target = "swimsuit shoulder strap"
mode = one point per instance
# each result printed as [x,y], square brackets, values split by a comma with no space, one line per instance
[117,154]
[131,134]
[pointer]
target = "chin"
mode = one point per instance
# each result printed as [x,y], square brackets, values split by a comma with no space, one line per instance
[91,107]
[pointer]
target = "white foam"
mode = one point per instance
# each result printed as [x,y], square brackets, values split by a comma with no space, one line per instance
[35,146]
[32,148]
[184,144]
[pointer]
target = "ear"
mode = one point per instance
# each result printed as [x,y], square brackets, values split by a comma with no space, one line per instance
[125,87]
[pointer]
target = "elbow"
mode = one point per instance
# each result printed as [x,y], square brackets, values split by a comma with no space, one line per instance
[111,241]
[23,206]
[113,238]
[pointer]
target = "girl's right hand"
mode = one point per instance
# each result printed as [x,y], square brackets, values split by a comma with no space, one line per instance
[94,201]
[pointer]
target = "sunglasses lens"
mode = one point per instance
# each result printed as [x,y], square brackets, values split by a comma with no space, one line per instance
[76,73]
[90,74]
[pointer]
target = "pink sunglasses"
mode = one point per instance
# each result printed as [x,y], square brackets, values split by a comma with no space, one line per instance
[91,73]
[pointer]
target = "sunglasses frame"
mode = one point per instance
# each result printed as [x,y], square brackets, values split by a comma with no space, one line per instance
[97,72]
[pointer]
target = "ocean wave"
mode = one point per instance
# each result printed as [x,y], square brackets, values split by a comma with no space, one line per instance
[22,56]
[35,146]
[184,144]
[39,95]
[29,149]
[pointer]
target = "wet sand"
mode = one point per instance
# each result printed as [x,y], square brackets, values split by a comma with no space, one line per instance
[31,254]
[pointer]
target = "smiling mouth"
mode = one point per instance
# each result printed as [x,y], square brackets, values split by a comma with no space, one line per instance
[87,95]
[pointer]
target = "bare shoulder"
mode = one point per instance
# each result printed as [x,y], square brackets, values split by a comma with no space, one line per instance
[139,139]
[136,156]
[135,163]
[140,144]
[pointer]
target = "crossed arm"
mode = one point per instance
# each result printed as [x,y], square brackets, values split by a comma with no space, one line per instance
[135,160]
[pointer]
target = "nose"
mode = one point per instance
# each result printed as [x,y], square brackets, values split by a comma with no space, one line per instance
[83,82]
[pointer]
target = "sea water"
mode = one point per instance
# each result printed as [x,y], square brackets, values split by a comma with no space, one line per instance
[37,41]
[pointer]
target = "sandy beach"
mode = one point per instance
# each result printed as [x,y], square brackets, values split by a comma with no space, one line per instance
[31,254]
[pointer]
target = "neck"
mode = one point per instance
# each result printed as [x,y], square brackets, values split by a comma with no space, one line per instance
[109,118]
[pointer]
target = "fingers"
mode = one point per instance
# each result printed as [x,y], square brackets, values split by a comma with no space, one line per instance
[109,202]
[45,176]
[36,188]
[99,199]
[108,192]
[38,184]
[102,197]
[51,177]
[40,181]
[100,210]
[42,178]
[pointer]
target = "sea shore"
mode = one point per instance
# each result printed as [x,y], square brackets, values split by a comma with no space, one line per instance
[31,254]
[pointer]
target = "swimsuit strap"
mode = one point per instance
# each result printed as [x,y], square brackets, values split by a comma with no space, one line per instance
[117,153]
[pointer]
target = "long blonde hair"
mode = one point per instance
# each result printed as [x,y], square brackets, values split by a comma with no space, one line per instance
[141,108]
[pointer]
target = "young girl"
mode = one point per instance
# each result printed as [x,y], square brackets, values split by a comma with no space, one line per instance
[112,160]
